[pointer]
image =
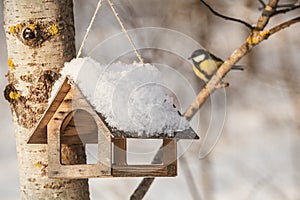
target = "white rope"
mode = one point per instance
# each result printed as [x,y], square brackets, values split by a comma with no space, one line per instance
[89,28]
[125,31]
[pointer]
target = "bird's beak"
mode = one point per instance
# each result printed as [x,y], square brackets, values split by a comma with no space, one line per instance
[189,58]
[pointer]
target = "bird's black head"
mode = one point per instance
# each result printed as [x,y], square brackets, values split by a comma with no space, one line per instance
[199,55]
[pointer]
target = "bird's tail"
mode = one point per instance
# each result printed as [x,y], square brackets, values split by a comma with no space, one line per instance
[237,67]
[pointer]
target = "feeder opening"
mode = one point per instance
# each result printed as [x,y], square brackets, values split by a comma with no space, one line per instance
[142,152]
[91,152]
[80,128]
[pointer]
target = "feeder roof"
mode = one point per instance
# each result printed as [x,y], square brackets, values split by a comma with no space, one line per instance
[86,125]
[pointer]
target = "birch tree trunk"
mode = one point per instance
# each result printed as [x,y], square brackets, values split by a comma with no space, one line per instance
[40,38]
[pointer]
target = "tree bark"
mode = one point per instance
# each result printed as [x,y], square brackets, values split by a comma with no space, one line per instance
[40,38]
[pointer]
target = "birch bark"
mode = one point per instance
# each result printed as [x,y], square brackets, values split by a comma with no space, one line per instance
[40,38]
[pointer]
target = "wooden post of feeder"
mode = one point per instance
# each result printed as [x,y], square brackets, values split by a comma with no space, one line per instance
[120,151]
[170,156]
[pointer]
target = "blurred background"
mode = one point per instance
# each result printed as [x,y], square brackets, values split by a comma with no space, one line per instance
[258,116]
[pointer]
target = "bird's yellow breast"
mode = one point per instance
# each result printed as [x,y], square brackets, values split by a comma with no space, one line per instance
[210,66]
[206,69]
[200,74]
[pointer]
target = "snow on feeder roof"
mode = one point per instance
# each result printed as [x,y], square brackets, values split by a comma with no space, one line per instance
[129,98]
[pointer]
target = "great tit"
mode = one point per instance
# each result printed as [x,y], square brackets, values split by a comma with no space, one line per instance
[206,64]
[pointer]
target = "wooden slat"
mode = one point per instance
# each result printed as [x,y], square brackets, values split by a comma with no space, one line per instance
[39,135]
[53,145]
[169,151]
[170,156]
[140,171]
[120,151]
[75,139]
[79,171]
[74,131]
[79,127]
[67,120]
[104,146]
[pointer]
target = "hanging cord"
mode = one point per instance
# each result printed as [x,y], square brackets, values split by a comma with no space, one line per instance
[126,33]
[121,24]
[89,28]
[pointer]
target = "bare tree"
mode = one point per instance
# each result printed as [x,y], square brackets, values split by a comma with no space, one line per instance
[40,38]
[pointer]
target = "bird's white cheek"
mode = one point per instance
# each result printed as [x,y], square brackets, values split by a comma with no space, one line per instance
[199,58]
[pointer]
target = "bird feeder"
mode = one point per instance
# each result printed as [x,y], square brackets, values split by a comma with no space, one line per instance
[70,119]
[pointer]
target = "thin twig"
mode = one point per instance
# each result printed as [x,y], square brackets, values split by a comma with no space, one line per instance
[142,189]
[262,3]
[281,26]
[226,17]
[144,186]
[288,5]
[282,11]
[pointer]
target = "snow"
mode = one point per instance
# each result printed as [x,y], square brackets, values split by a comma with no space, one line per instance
[131,97]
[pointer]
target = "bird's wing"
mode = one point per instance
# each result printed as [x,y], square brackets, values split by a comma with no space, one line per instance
[215,57]
[220,62]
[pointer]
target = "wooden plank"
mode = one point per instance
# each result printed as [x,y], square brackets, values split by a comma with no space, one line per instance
[140,171]
[39,135]
[79,127]
[120,151]
[53,145]
[75,139]
[172,169]
[104,146]
[80,171]
[82,131]
[67,120]
[169,151]
[170,156]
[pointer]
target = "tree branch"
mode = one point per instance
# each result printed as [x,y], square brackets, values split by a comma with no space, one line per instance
[287,9]
[288,5]
[142,189]
[263,20]
[284,25]
[226,17]
[257,36]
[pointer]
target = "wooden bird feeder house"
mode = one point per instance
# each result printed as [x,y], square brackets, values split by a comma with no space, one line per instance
[70,119]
